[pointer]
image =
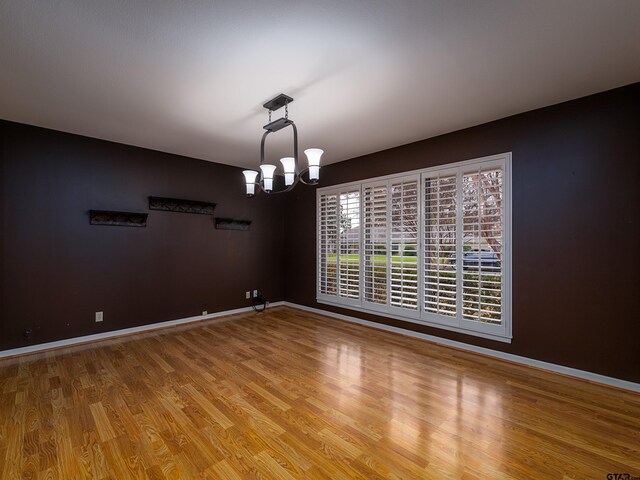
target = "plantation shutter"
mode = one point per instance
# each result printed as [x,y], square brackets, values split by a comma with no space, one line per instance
[403,244]
[440,242]
[375,238]
[483,219]
[349,245]
[430,246]
[327,244]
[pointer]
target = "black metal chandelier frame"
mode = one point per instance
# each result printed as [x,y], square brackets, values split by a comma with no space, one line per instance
[273,105]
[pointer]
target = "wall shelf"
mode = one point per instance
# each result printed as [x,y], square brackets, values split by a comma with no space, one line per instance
[232,224]
[117,219]
[181,206]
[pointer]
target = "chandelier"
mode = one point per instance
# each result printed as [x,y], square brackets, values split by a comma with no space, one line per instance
[292,174]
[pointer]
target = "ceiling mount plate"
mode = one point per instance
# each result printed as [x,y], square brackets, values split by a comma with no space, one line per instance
[278,102]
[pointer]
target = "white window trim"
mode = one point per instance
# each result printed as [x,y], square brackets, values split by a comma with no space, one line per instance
[502,333]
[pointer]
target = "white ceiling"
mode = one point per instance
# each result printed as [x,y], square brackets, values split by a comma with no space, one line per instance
[189,77]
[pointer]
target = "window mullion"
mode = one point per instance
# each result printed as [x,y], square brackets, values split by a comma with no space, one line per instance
[338,247]
[361,252]
[459,245]
[420,245]
[388,233]
[479,242]
[439,203]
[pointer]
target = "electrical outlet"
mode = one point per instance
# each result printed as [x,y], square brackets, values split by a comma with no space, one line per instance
[204,312]
[99,317]
[248,295]
[255,293]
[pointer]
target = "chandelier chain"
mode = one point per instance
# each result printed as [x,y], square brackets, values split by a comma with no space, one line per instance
[286,110]
[269,116]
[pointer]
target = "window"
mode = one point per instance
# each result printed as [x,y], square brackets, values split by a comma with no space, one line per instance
[403,254]
[440,242]
[430,246]
[375,244]
[349,241]
[328,245]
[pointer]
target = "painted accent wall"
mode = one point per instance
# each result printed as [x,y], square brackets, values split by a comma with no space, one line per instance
[576,234]
[57,270]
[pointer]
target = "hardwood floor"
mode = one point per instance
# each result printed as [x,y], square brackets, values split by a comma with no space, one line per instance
[288,394]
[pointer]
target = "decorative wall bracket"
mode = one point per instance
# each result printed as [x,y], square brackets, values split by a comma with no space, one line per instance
[232,224]
[117,219]
[181,206]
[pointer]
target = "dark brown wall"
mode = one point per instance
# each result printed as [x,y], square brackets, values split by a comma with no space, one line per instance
[575,228]
[57,270]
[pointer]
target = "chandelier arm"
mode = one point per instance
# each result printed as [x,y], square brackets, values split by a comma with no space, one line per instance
[297,179]
[260,188]
[295,147]
[264,137]
[276,192]
[284,190]
[310,182]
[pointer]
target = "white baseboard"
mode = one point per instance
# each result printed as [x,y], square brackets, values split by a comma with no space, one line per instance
[594,377]
[552,367]
[125,331]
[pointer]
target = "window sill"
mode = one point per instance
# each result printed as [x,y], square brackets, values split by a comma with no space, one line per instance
[473,333]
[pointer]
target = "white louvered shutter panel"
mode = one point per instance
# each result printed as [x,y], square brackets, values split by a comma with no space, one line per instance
[374,205]
[403,243]
[328,244]
[349,236]
[440,242]
[483,219]
[432,246]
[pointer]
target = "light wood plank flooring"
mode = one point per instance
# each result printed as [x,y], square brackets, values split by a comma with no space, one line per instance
[287,394]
